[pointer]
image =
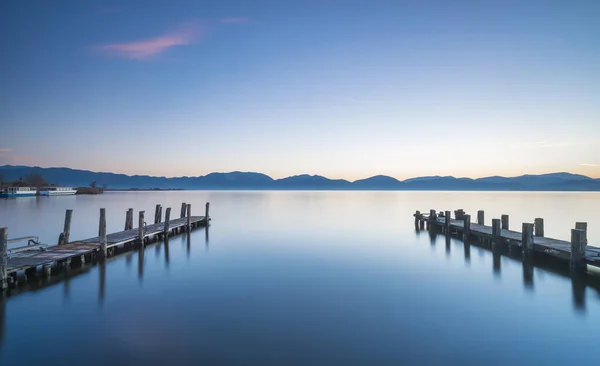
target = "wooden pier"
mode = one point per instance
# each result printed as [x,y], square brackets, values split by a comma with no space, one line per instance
[35,255]
[531,239]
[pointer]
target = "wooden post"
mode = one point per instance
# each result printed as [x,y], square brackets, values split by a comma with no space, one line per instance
[167,219]
[157,214]
[103,232]
[582,226]
[539,227]
[504,219]
[127,214]
[448,217]
[480,217]
[417,215]
[578,246]
[64,239]
[130,219]
[3,258]
[206,216]
[527,238]
[466,226]
[189,217]
[496,230]
[183,207]
[141,227]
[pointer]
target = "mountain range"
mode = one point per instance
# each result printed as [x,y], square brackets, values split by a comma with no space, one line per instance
[259,181]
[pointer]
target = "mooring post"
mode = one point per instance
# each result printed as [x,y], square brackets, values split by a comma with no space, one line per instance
[504,219]
[183,207]
[447,218]
[157,214]
[432,220]
[64,238]
[206,216]
[189,217]
[141,224]
[481,217]
[103,232]
[496,230]
[466,226]
[527,238]
[417,215]
[3,258]
[127,220]
[578,246]
[539,227]
[167,219]
[130,219]
[582,226]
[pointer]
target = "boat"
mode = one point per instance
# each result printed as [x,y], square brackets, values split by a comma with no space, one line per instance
[57,191]
[17,191]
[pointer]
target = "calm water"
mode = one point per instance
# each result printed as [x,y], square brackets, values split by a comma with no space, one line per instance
[297,278]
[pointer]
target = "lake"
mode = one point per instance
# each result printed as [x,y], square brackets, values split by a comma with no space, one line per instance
[298,278]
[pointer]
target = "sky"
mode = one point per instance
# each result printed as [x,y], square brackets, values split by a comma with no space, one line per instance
[340,88]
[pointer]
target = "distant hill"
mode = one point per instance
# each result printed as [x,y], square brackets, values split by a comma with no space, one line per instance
[258,181]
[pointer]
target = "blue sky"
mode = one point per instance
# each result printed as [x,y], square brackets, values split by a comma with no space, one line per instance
[341,88]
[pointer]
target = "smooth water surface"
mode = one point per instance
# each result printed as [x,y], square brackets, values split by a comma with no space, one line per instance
[297,278]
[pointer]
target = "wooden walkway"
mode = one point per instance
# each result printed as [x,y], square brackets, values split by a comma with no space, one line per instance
[554,247]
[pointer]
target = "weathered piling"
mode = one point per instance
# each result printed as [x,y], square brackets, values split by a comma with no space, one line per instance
[183,207]
[141,226]
[431,220]
[130,223]
[189,217]
[167,219]
[206,209]
[459,214]
[157,214]
[481,217]
[504,220]
[417,216]
[102,234]
[3,257]
[67,227]
[127,219]
[496,230]
[527,237]
[539,227]
[466,226]
[582,226]
[578,246]
[448,216]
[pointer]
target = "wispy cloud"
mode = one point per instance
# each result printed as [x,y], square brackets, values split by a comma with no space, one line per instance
[5,149]
[145,49]
[590,165]
[234,20]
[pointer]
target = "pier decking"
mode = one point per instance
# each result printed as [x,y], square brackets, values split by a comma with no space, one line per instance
[29,258]
[578,252]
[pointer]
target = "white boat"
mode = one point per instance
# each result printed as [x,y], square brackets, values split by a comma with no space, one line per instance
[17,191]
[56,191]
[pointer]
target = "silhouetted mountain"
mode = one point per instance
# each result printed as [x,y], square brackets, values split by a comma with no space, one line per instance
[250,180]
[378,182]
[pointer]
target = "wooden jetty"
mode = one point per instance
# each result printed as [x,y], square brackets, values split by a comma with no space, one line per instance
[35,255]
[531,239]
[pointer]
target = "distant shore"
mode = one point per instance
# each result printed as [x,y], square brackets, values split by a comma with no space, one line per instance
[142,189]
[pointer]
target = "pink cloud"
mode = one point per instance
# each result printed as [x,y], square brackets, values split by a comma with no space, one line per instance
[5,149]
[234,20]
[142,50]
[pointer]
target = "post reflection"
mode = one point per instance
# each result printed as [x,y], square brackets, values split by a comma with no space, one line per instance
[497,257]
[467,247]
[206,245]
[167,252]
[141,263]
[187,244]
[448,246]
[157,247]
[578,285]
[2,317]
[528,271]
[102,287]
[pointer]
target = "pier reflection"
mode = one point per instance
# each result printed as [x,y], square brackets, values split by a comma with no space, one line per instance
[496,258]
[206,245]
[166,244]
[102,287]
[141,263]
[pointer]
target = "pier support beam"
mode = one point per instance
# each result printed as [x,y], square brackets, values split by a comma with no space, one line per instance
[578,246]
[466,227]
[539,227]
[103,232]
[527,238]
[64,236]
[206,216]
[448,217]
[141,227]
[504,220]
[157,214]
[189,217]
[129,222]
[3,258]
[582,226]
[480,217]
[496,231]
[417,216]
[167,219]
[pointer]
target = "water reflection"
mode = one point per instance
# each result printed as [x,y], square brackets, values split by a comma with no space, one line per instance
[102,287]
[528,271]
[206,237]
[578,285]
[141,262]
[467,248]
[166,243]
[496,258]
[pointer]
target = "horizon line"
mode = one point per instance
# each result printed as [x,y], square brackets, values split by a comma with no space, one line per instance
[296,175]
